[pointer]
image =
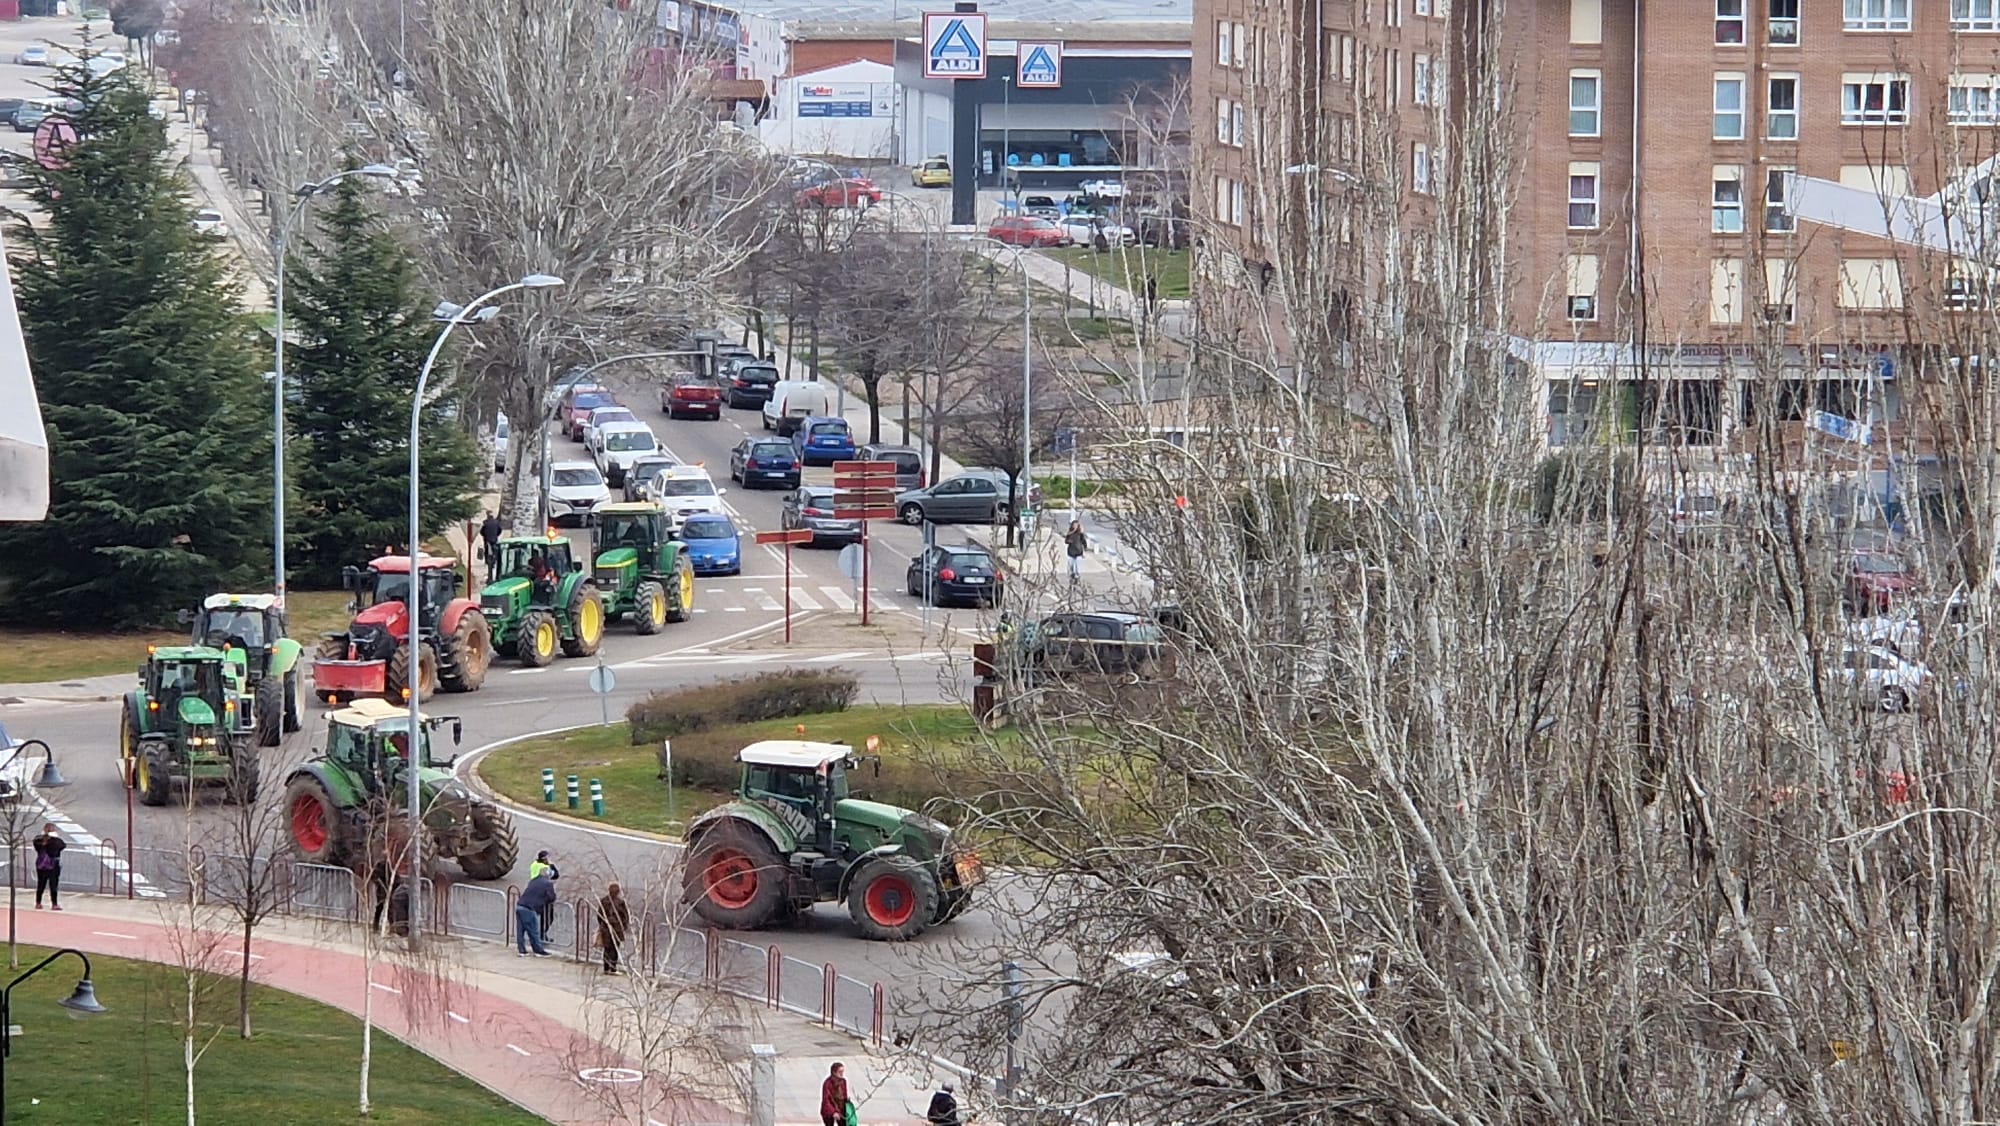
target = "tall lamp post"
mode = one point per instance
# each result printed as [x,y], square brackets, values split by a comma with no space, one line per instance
[453,316]
[280,242]
[82,1001]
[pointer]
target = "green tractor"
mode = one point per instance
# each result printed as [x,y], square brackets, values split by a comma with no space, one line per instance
[542,599]
[792,838]
[643,572]
[336,805]
[188,721]
[250,628]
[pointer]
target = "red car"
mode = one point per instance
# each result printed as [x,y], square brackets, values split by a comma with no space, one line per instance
[848,191]
[1022,230]
[1875,580]
[577,405]
[689,397]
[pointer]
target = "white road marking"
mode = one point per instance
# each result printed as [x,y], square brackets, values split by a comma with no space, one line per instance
[832,657]
[736,609]
[877,602]
[456,1017]
[803,601]
[839,598]
[516,1048]
[383,988]
[81,838]
[766,602]
[115,934]
[526,672]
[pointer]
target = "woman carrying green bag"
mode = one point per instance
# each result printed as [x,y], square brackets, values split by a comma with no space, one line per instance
[835,1108]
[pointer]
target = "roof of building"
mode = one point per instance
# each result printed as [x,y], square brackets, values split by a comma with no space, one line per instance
[794,752]
[1001,14]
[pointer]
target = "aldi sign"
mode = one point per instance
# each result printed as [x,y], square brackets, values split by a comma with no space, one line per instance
[1038,64]
[954,44]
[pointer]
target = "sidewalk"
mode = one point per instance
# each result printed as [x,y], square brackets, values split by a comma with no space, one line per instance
[528,1029]
[89,689]
[1084,288]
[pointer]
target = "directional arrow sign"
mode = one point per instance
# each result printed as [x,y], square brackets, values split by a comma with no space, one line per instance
[789,535]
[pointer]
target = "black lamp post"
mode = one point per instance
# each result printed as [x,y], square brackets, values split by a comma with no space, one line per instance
[81,1001]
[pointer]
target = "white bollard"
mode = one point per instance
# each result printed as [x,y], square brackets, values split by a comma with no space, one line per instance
[763,1085]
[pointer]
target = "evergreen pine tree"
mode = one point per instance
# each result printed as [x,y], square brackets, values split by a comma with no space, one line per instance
[360,335]
[148,374]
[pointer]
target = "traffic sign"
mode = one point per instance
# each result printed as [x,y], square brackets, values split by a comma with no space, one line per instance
[603,680]
[53,137]
[954,44]
[1038,64]
[788,536]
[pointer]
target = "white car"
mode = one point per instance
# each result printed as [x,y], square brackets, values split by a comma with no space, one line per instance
[686,490]
[619,444]
[209,221]
[1877,675]
[600,417]
[34,54]
[1086,230]
[576,489]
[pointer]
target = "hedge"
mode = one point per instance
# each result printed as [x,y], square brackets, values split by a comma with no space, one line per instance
[768,695]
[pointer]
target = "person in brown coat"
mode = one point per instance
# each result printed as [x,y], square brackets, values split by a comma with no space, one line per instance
[833,1096]
[614,919]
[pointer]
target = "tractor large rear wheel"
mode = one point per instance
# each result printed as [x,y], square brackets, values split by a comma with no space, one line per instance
[398,675]
[494,859]
[152,776]
[892,898]
[649,607]
[735,878]
[680,600]
[270,711]
[470,648]
[314,823]
[538,639]
[586,622]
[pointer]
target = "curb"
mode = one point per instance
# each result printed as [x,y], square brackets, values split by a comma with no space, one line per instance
[468,769]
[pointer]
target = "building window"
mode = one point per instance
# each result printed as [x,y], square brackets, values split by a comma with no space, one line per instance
[1781,119]
[1725,291]
[1585,104]
[1422,7]
[1586,21]
[1777,212]
[1963,291]
[1779,286]
[1580,300]
[1222,121]
[1392,12]
[1871,283]
[1974,99]
[1873,99]
[1728,107]
[1347,59]
[1729,22]
[1875,15]
[1975,15]
[1583,197]
[1420,79]
[1420,167]
[1236,202]
[1240,45]
[1783,27]
[1395,68]
[1236,124]
[1222,50]
[1726,217]
[1221,200]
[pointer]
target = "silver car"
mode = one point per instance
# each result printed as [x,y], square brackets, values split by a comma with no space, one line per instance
[976,496]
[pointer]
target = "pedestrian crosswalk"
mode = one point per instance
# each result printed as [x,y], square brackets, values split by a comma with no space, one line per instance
[765,599]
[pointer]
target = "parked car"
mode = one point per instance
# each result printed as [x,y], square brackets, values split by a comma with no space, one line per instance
[601,417]
[1042,207]
[34,54]
[976,496]
[714,546]
[793,401]
[811,507]
[1019,230]
[749,386]
[942,575]
[909,463]
[1098,641]
[687,490]
[1878,677]
[577,403]
[934,172]
[761,462]
[1164,230]
[729,357]
[823,440]
[8,106]
[689,396]
[619,445]
[643,470]
[576,490]
[209,221]
[1103,234]
[1876,580]
[846,191]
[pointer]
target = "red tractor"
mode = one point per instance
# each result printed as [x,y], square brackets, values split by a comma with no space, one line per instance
[373,657]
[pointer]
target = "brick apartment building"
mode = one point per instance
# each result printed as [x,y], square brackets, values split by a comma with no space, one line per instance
[1665,132]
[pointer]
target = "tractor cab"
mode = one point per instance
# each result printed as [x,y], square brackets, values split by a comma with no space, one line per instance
[195,690]
[370,741]
[804,784]
[535,558]
[250,622]
[640,526]
[387,580]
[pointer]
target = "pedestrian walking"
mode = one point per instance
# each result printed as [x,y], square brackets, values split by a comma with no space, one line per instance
[1075,545]
[536,899]
[541,866]
[489,534]
[614,918]
[835,1109]
[944,1108]
[48,866]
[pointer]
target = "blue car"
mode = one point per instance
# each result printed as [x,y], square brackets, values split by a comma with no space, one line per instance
[822,440]
[713,546]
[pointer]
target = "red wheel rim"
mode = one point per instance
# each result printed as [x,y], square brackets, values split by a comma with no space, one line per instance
[308,823]
[730,879]
[891,901]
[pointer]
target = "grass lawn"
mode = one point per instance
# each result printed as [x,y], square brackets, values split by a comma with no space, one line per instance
[301,1066]
[1127,267]
[636,798]
[42,655]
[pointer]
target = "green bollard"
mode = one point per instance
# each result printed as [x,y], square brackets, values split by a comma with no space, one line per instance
[549,784]
[596,798]
[572,791]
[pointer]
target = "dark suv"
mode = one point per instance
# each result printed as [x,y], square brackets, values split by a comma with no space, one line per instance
[749,386]
[1102,641]
[763,462]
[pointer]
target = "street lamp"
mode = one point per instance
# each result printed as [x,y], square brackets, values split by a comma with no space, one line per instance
[472,312]
[82,1002]
[280,242]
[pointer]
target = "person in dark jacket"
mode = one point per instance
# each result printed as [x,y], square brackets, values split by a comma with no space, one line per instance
[833,1096]
[614,918]
[537,897]
[489,534]
[944,1108]
[48,866]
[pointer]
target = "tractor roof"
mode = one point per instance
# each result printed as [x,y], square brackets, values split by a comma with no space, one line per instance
[246,601]
[630,507]
[549,539]
[400,564]
[794,752]
[367,712]
[183,653]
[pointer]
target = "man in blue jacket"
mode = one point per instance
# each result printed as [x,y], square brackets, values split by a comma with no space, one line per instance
[537,897]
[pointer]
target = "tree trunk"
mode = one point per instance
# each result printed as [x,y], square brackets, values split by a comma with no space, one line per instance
[367,1023]
[871,386]
[243,982]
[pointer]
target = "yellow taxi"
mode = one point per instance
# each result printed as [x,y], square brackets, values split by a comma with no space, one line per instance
[932,173]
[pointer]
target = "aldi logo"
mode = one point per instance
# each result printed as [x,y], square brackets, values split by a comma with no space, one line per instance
[954,45]
[1039,64]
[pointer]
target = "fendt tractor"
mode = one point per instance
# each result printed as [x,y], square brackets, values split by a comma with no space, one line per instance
[345,806]
[792,838]
[541,600]
[641,571]
[250,629]
[188,722]
[373,657]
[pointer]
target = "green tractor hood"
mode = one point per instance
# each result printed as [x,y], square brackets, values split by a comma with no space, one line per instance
[618,558]
[920,835]
[195,711]
[505,589]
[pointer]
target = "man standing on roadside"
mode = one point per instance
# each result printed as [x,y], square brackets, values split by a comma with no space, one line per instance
[614,918]
[537,897]
[48,866]
[489,534]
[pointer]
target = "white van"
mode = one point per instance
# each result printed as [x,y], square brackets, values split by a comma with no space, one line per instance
[619,444]
[792,400]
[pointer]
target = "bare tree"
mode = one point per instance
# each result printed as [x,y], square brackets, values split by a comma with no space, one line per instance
[992,422]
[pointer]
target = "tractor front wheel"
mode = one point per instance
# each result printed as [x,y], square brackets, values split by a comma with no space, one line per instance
[892,898]
[586,622]
[270,711]
[470,648]
[494,859]
[680,606]
[243,774]
[951,905]
[735,878]
[538,639]
[128,739]
[398,676]
[292,707]
[151,777]
[649,607]
[313,822]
